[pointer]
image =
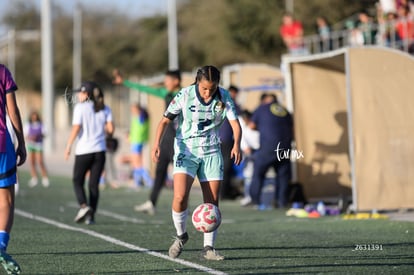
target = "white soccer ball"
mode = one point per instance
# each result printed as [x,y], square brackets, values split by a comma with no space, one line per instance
[206,217]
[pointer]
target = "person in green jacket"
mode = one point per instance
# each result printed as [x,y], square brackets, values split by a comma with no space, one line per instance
[172,85]
[138,137]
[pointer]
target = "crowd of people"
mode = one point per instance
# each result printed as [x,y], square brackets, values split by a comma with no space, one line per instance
[392,25]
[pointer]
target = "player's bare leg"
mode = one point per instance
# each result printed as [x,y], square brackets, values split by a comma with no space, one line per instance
[211,191]
[182,186]
[6,223]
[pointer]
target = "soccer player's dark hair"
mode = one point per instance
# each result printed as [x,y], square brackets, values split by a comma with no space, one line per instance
[233,88]
[174,73]
[32,113]
[210,73]
[98,99]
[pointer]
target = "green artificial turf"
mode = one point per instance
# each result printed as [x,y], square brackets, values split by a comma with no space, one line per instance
[253,242]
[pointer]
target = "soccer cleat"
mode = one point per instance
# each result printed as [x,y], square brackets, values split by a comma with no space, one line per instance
[45,182]
[10,265]
[146,207]
[33,182]
[177,247]
[210,254]
[82,214]
[246,201]
[89,220]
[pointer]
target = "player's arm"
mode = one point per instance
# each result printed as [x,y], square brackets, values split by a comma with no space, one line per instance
[158,92]
[15,118]
[118,79]
[173,110]
[109,125]
[73,134]
[155,152]
[237,133]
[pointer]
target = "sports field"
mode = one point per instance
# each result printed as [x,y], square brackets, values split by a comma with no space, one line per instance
[45,240]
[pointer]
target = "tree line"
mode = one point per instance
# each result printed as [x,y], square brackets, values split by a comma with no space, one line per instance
[218,32]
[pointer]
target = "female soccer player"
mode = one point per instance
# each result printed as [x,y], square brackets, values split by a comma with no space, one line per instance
[200,110]
[138,137]
[35,132]
[8,156]
[92,120]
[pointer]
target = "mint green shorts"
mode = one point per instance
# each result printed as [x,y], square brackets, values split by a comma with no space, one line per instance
[206,168]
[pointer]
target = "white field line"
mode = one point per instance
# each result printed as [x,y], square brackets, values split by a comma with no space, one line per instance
[116,242]
[119,217]
[124,218]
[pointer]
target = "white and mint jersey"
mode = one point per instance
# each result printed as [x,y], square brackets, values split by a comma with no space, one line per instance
[199,122]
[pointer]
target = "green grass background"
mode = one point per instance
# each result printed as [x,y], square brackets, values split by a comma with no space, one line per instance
[253,242]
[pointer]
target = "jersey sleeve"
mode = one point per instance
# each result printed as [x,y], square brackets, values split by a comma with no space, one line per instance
[175,106]
[231,112]
[8,82]
[77,116]
[158,92]
[109,117]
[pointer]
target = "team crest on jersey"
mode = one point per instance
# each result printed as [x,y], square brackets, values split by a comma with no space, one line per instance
[219,107]
[278,110]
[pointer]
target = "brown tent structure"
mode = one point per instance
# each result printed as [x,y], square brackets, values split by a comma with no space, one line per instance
[354,122]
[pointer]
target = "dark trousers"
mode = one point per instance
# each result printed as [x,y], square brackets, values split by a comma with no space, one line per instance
[262,163]
[165,158]
[226,189]
[95,163]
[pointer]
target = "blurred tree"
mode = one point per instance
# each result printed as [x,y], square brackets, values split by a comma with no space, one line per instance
[216,32]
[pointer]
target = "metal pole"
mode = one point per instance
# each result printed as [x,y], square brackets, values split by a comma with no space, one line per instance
[172,35]
[77,46]
[47,73]
[290,6]
[11,62]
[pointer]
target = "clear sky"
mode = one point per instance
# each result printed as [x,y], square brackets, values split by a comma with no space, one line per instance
[133,8]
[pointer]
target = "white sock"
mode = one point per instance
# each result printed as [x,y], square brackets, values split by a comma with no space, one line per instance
[180,221]
[210,238]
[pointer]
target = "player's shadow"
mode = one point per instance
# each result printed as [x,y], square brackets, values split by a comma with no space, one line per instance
[323,174]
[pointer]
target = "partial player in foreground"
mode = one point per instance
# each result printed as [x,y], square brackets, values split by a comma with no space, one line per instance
[8,159]
[200,110]
[92,120]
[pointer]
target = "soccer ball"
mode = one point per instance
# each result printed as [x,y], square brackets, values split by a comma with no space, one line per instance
[206,217]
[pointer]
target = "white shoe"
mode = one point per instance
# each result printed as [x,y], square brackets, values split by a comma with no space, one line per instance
[146,207]
[246,201]
[211,254]
[33,182]
[45,182]
[82,214]
[177,246]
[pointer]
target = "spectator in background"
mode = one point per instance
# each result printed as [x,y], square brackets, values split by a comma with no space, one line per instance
[387,34]
[367,28]
[228,191]
[250,142]
[275,126]
[138,137]
[405,28]
[324,32]
[35,132]
[291,32]
[355,36]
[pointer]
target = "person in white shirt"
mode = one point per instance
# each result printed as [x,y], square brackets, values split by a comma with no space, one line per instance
[92,120]
[250,142]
